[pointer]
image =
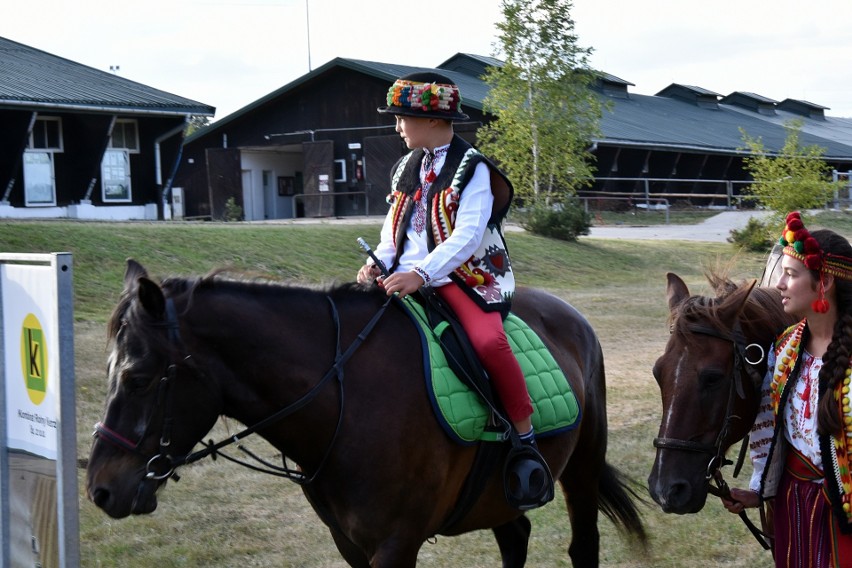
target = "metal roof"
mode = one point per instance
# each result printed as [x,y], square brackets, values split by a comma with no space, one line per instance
[660,122]
[34,79]
[678,118]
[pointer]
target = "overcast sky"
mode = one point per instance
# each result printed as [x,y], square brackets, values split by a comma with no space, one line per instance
[228,53]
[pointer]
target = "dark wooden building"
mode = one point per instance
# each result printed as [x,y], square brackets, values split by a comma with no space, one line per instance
[81,143]
[317,146]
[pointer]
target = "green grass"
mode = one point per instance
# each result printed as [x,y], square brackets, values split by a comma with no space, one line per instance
[221,515]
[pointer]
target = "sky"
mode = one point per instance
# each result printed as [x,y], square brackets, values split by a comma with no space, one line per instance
[229,53]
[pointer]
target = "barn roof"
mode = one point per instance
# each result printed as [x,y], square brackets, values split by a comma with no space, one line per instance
[679,117]
[34,79]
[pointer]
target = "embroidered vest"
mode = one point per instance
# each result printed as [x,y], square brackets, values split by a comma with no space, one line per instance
[834,450]
[487,275]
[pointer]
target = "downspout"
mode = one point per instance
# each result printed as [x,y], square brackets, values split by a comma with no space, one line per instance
[158,165]
[11,182]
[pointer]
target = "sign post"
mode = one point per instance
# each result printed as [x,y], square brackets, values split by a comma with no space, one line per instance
[39,520]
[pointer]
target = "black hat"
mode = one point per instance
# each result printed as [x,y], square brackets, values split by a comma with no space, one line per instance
[426,94]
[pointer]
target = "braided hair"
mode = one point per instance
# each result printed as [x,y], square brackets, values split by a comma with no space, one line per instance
[836,358]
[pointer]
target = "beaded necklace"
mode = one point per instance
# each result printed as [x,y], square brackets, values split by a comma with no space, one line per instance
[787,354]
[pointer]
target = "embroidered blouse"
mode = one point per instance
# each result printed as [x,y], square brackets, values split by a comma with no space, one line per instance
[791,390]
[471,221]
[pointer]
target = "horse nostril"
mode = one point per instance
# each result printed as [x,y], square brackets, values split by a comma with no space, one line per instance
[100,497]
[678,494]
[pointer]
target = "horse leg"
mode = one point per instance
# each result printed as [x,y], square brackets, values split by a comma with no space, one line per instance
[350,552]
[582,502]
[513,539]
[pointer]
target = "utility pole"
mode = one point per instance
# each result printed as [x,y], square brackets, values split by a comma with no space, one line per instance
[308,22]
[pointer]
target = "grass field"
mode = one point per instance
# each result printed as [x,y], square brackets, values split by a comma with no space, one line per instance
[221,515]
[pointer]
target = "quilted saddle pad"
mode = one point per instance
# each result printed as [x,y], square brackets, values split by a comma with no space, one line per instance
[462,412]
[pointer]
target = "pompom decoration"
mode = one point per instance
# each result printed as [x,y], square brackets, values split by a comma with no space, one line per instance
[424,96]
[799,244]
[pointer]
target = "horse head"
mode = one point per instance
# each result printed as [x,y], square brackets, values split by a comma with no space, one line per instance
[153,387]
[709,377]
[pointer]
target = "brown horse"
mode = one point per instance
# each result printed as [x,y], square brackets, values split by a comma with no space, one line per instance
[335,382]
[710,378]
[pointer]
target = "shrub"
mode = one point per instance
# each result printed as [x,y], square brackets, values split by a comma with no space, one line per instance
[565,221]
[233,212]
[756,236]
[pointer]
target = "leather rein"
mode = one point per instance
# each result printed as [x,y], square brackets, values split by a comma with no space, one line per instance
[736,392]
[168,464]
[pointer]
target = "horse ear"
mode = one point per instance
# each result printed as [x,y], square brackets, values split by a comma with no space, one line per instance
[133,273]
[731,311]
[151,297]
[676,290]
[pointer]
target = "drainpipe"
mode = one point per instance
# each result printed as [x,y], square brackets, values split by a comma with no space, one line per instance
[158,166]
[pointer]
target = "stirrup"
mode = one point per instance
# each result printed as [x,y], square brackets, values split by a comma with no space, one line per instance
[527,480]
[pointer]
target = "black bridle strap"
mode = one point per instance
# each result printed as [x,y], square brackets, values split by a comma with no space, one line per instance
[336,370]
[714,468]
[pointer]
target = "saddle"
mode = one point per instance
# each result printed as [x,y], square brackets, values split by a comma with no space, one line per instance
[467,409]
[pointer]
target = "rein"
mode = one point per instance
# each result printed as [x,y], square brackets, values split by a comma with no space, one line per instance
[211,448]
[717,449]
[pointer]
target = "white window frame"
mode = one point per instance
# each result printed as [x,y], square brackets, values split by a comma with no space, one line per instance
[29,171]
[116,174]
[121,123]
[40,123]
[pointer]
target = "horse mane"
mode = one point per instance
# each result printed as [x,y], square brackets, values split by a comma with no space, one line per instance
[762,307]
[238,282]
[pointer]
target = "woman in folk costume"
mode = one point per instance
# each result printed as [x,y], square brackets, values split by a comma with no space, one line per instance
[443,230]
[801,439]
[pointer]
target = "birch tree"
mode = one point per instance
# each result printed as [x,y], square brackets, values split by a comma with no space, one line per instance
[546,114]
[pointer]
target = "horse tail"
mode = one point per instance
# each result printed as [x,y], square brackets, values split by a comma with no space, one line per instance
[617,502]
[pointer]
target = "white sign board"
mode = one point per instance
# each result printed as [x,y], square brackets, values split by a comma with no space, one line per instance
[31,357]
[39,524]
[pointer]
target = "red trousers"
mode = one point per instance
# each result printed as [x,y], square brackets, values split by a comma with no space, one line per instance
[485,330]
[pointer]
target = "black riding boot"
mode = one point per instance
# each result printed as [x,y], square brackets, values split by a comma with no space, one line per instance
[526,477]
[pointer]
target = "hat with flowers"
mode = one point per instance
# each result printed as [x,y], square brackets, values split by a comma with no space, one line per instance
[427,95]
[799,244]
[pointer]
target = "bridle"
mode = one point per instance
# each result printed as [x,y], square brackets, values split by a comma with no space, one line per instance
[169,463]
[741,365]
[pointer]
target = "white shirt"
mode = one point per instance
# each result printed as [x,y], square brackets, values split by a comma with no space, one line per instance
[799,430]
[471,221]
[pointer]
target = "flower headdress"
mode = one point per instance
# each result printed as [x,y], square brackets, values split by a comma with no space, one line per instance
[799,244]
[426,95]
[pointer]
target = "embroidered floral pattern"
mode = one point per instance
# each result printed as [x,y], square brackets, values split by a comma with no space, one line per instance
[837,465]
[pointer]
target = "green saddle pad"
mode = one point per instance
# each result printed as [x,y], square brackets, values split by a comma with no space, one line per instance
[461,411]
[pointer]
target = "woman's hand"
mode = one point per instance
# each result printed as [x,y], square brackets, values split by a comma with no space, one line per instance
[402,283]
[368,273]
[740,500]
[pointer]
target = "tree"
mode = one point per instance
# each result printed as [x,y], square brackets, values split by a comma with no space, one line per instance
[546,115]
[792,179]
[197,123]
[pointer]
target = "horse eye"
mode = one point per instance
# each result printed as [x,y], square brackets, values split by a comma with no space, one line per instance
[136,384]
[710,378]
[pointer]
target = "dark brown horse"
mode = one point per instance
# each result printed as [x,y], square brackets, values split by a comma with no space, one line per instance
[710,378]
[373,461]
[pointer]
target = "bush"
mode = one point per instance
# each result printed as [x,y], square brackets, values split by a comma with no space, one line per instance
[755,236]
[564,221]
[233,212]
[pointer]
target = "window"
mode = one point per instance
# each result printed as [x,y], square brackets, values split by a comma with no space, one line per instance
[39,187]
[115,176]
[46,134]
[125,136]
[39,181]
